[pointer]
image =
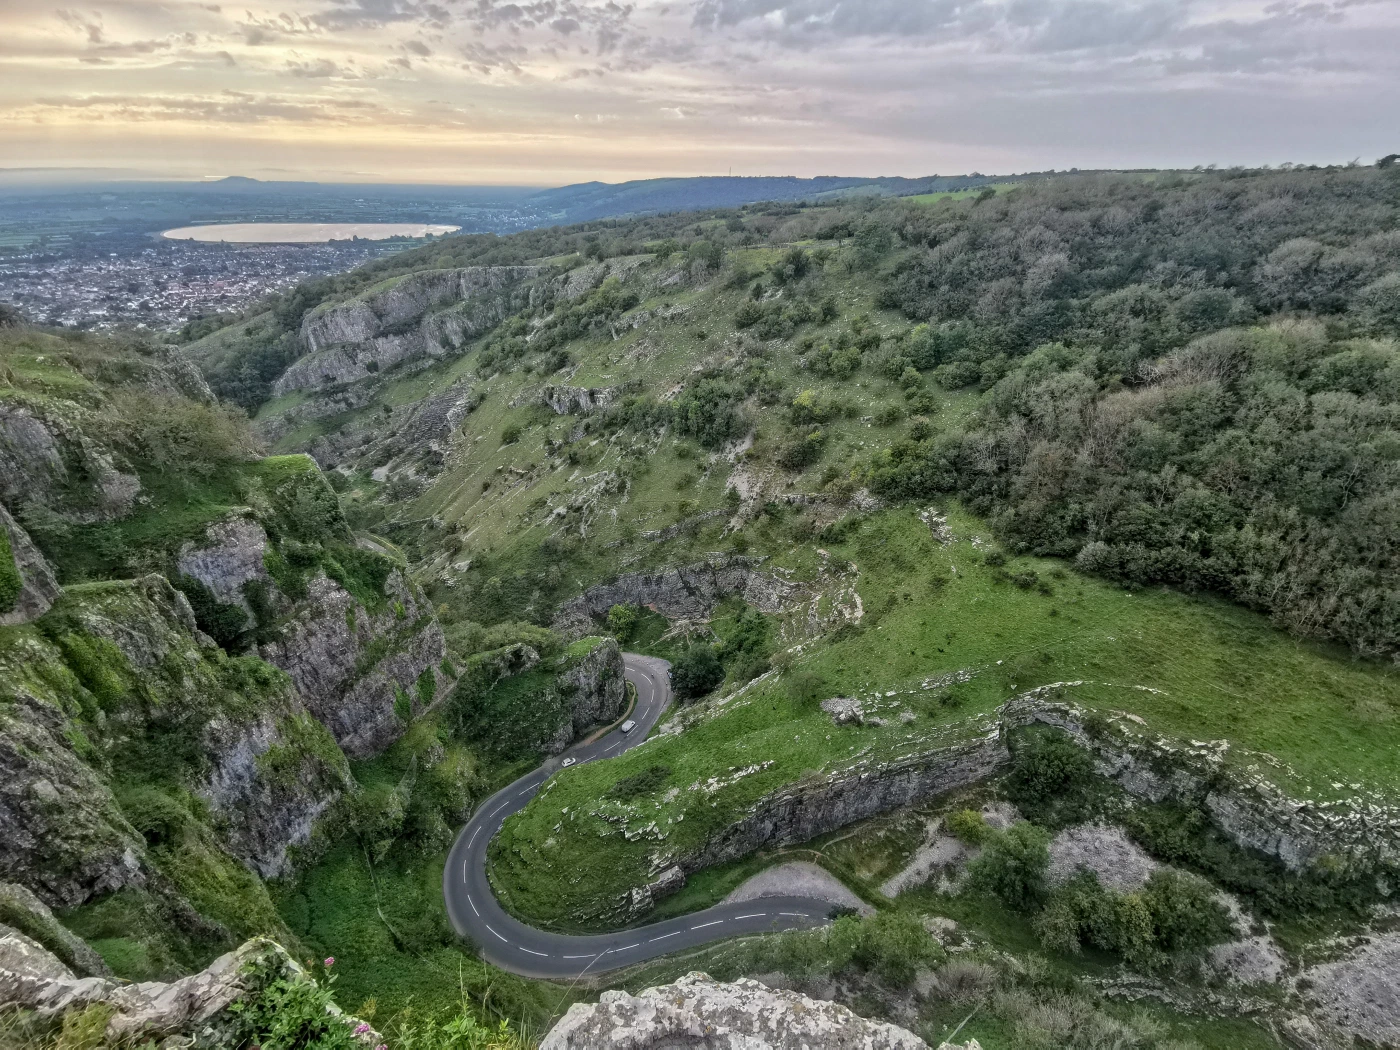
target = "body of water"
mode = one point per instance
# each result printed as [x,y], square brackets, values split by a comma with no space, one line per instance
[303,232]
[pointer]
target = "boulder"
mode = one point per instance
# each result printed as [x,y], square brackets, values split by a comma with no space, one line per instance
[700,1011]
[25,913]
[38,589]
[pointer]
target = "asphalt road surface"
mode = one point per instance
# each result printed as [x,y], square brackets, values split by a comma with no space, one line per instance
[510,944]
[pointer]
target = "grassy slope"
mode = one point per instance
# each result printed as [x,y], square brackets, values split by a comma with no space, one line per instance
[1221,672]
[1191,668]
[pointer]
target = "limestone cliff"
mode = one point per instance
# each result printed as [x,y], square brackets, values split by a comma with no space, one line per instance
[700,1011]
[689,592]
[423,314]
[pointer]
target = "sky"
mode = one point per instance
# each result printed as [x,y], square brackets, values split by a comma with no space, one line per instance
[549,92]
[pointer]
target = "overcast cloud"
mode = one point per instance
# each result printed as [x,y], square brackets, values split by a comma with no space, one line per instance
[552,91]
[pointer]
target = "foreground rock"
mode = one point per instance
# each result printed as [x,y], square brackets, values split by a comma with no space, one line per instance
[699,1011]
[195,1007]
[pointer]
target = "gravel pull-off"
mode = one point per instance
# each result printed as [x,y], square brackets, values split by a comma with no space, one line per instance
[698,1011]
[1360,993]
[799,879]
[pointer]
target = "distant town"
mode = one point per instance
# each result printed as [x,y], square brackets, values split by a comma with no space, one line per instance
[167,284]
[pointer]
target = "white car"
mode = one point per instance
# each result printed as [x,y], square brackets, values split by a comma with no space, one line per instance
[568,762]
[628,726]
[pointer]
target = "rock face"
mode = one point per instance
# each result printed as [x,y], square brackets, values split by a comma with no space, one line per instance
[38,588]
[690,592]
[26,914]
[595,687]
[1360,992]
[28,958]
[353,666]
[232,557]
[1253,812]
[802,811]
[420,315]
[350,665]
[194,1008]
[47,458]
[698,1011]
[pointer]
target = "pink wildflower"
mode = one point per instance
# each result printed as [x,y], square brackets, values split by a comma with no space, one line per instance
[361,1028]
[330,961]
[382,1046]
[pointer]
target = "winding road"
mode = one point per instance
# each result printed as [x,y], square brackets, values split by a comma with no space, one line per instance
[510,944]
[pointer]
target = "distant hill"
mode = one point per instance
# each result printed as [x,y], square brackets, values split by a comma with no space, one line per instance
[600,200]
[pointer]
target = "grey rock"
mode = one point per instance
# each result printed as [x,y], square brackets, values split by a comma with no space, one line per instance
[61,831]
[263,812]
[668,882]
[194,1006]
[1104,850]
[577,400]
[844,710]
[39,589]
[47,457]
[22,911]
[230,558]
[1360,992]
[422,315]
[329,649]
[697,1011]
[28,958]
[804,810]
[595,686]
[690,592]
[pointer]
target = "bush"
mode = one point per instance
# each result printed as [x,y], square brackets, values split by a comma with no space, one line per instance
[968,826]
[622,621]
[1052,778]
[1172,913]
[1012,866]
[647,782]
[696,672]
[510,433]
[893,945]
[10,582]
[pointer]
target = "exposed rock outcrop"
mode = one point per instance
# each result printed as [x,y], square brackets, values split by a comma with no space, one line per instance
[353,666]
[1360,992]
[38,589]
[806,809]
[46,457]
[690,592]
[194,1008]
[700,1011]
[25,913]
[424,314]
[26,957]
[595,685]
[233,555]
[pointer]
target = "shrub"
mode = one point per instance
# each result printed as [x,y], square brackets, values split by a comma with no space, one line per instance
[805,686]
[893,945]
[10,582]
[622,621]
[968,826]
[647,782]
[696,672]
[1172,913]
[1012,866]
[510,434]
[1052,778]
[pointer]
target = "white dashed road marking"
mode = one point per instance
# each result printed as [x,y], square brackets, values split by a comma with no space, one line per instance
[704,924]
[473,904]
[795,914]
[542,955]
[663,936]
[488,926]
[755,915]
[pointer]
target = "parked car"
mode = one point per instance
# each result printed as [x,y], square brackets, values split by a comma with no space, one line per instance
[628,726]
[568,762]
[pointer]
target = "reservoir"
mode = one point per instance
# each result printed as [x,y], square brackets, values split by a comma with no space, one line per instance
[303,232]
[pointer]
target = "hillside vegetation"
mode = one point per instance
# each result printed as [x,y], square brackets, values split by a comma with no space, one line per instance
[961,500]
